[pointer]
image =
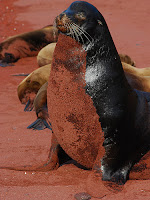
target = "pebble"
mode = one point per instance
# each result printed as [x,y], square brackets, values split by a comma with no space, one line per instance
[82,196]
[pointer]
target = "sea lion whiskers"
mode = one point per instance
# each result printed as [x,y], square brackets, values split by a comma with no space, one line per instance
[85,33]
[71,32]
[77,32]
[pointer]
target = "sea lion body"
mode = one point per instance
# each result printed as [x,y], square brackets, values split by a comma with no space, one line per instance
[120,108]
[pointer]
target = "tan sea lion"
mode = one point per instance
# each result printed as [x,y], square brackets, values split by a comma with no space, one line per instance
[29,87]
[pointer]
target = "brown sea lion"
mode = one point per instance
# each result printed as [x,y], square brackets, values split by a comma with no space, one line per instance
[26,44]
[94,94]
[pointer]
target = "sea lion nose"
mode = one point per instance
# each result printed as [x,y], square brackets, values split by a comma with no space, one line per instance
[59,18]
[61,21]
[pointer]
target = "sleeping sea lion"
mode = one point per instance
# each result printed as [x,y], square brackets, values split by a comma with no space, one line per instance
[26,44]
[96,89]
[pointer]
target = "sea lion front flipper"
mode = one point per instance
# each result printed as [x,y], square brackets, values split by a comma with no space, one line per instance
[29,106]
[40,124]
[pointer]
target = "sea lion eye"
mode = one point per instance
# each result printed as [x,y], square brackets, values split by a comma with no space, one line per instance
[80,16]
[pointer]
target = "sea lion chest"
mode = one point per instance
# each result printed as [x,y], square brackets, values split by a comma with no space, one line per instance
[73,116]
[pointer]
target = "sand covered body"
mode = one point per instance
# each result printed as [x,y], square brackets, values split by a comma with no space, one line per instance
[73,116]
[20,146]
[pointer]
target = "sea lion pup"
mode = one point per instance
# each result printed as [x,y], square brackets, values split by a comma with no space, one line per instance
[124,113]
[29,87]
[26,44]
[40,106]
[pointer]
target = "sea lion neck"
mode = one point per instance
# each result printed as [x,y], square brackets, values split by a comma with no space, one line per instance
[103,61]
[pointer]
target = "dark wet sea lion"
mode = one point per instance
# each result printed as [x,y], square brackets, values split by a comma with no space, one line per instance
[26,44]
[123,113]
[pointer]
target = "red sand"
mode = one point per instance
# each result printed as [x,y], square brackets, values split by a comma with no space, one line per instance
[129,24]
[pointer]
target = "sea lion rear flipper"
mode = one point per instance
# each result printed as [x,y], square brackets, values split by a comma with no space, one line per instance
[40,124]
[29,106]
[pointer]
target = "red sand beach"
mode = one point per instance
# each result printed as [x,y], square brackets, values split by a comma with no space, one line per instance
[128,22]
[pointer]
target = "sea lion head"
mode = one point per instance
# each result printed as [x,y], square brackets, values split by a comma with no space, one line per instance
[80,21]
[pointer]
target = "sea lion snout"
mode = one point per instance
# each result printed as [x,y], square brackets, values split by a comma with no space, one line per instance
[62,21]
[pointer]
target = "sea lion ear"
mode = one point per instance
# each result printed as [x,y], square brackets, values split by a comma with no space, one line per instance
[99,22]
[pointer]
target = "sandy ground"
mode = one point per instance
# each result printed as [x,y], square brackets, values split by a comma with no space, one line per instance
[128,22]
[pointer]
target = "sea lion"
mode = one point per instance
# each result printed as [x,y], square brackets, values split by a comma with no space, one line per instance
[26,44]
[122,112]
[29,87]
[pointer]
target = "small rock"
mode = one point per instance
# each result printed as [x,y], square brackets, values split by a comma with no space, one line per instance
[82,196]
